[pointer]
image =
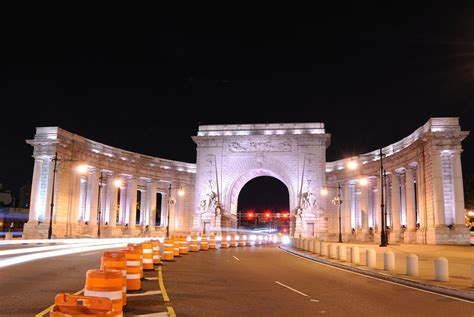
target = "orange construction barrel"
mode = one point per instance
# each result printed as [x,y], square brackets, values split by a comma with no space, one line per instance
[138,247]
[155,245]
[183,246]
[116,260]
[212,243]
[106,283]
[204,243]
[147,255]
[233,242]
[168,247]
[67,305]
[133,269]
[224,243]
[194,245]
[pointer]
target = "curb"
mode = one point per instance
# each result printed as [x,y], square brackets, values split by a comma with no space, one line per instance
[427,287]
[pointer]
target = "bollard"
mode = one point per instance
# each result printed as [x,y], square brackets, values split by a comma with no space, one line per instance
[324,248]
[341,253]
[311,246]
[412,265]
[371,258]
[389,261]
[333,250]
[441,269]
[317,246]
[355,255]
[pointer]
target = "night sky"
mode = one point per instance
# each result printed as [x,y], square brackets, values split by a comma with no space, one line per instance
[372,75]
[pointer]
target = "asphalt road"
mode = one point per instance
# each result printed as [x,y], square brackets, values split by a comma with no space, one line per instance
[251,281]
[248,282]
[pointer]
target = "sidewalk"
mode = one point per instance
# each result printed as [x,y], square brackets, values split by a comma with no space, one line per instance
[460,259]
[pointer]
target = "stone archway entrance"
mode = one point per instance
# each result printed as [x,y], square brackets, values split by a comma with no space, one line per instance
[228,156]
[263,203]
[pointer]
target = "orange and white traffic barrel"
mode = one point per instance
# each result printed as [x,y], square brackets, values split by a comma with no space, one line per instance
[106,283]
[116,260]
[194,245]
[242,241]
[233,241]
[67,305]
[248,242]
[168,247]
[225,242]
[139,249]
[212,243]
[147,255]
[204,243]
[133,269]
[155,245]
[176,245]
[183,246]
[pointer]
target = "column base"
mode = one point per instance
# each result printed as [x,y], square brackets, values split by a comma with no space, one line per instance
[457,235]
[410,236]
[395,237]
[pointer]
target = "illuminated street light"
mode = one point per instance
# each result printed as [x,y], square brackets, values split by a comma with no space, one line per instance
[363,181]
[352,165]
[118,182]
[181,192]
[338,202]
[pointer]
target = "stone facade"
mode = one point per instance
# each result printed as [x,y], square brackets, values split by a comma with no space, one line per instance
[422,184]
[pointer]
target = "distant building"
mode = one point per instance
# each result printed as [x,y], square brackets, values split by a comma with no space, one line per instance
[24,197]
[6,198]
[13,220]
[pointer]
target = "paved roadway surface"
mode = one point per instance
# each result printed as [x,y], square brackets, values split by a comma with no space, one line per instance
[251,281]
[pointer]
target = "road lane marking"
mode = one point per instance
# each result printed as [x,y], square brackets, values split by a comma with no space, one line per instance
[145,293]
[378,279]
[47,310]
[315,300]
[89,253]
[151,278]
[171,311]
[236,258]
[162,285]
[291,288]
[162,314]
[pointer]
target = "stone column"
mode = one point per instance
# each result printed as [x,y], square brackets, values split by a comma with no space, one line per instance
[410,200]
[151,202]
[49,191]
[378,208]
[123,219]
[92,196]
[143,208]
[111,204]
[459,211]
[132,202]
[438,193]
[420,190]
[364,208]
[395,193]
[346,218]
[35,191]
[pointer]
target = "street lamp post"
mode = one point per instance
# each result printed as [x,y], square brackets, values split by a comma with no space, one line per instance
[50,229]
[338,202]
[383,232]
[168,216]
[99,205]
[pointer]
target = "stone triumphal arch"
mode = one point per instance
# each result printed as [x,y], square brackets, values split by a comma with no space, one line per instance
[228,156]
[422,184]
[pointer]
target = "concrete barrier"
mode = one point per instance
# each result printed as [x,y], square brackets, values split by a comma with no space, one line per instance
[441,269]
[355,256]
[341,253]
[389,261]
[371,258]
[324,248]
[306,244]
[412,265]
[317,246]
[333,250]
[311,245]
